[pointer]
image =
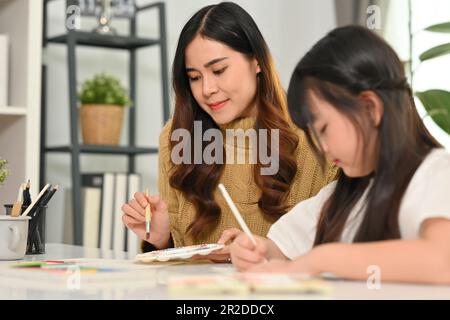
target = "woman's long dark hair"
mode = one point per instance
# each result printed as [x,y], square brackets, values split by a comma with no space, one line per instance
[231,25]
[343,64]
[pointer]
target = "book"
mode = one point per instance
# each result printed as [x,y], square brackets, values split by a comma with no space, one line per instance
[68,236]
[92,184]
[206,285]
[243,284]
[120,197]
[107,211]
[4,75]
[285,283]
[103,195]
[134,185]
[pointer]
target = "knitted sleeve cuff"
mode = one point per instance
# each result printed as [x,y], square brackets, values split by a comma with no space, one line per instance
[148,247]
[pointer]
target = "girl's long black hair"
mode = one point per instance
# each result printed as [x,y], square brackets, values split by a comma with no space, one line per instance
[343,64]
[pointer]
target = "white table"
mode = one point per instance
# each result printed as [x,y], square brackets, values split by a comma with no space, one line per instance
[158,290]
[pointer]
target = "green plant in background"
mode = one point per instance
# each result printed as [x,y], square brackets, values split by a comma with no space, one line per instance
[104,89]
[4,172]
[435,101]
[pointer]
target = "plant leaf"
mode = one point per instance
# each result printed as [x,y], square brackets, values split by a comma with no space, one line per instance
[441,27]
[104,89]
[435,52]
[437,104]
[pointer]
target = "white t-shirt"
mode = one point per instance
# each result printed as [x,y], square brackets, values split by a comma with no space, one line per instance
[427,196]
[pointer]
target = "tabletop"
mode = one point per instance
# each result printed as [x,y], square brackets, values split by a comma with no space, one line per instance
[154,282]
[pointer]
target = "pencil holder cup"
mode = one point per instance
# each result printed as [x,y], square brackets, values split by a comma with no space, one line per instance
[36,229]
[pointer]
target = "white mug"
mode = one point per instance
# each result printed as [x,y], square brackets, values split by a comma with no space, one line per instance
[13,237]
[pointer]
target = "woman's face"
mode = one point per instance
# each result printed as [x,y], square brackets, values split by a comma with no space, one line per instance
[222,80]
[341,141]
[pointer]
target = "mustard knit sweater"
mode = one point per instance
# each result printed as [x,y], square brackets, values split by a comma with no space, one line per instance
[239,182]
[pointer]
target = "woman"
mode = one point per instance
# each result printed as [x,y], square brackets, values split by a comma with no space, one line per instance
[224,79]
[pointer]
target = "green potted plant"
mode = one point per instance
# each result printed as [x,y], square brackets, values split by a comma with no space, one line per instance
[4,172]
[437,101]
[102,99]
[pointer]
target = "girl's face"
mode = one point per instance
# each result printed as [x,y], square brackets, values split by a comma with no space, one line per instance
[340,140]
[222,80]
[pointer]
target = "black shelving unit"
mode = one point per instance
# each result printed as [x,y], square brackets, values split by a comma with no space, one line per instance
[72,39]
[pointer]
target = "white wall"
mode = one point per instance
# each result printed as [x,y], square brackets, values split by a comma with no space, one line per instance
[290,27]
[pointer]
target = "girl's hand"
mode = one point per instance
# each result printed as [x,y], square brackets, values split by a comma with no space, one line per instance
[223,255]
[134,218]
[245,254]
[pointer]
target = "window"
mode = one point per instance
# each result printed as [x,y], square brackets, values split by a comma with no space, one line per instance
[432,74]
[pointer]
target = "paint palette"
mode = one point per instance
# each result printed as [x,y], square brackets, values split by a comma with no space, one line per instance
[180,253]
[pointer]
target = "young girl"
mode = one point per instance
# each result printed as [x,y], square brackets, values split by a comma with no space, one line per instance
[390,206]
[224,78]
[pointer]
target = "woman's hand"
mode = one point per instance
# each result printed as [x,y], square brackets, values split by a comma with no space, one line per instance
[134,218]
[245,254]
[222,255]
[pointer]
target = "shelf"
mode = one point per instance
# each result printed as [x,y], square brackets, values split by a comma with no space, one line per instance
[105,149]
[21,20]
[13,111]
[73,40]
[106,41]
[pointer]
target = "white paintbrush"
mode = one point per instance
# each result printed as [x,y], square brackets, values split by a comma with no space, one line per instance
[148,217]
[236,213]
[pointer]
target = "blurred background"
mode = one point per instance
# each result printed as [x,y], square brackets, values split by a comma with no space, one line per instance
[290,28]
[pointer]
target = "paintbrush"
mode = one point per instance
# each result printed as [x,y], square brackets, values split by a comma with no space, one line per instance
[148,217]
